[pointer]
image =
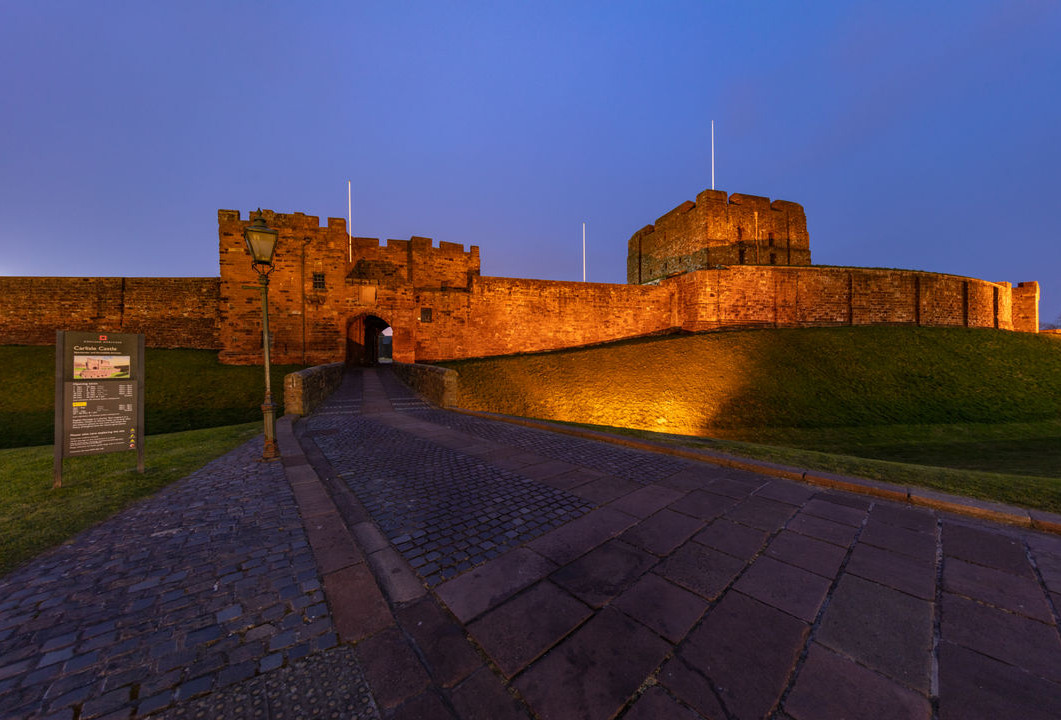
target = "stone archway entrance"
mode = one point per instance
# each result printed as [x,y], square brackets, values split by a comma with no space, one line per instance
[363,339]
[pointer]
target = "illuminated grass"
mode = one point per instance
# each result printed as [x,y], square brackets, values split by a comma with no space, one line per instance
[184,390]
[788,378]
[973,401]
[34,517]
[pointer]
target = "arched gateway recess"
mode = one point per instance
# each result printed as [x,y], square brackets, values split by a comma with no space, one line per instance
[363,339]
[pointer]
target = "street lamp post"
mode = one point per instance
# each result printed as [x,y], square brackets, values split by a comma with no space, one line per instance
[261,243]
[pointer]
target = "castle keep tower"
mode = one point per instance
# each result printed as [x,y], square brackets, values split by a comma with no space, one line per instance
[716,230]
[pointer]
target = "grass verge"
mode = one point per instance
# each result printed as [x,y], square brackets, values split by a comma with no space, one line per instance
[1030,491]
[34,517]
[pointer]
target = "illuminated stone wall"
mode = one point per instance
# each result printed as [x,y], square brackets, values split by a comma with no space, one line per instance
[719,230]
[756,296]
[328,294]
[1025,310]
[171,312]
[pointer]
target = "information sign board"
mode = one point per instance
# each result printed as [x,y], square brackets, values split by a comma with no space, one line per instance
[99,395]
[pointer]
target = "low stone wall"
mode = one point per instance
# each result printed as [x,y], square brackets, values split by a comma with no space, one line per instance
[306,389]
[437,384]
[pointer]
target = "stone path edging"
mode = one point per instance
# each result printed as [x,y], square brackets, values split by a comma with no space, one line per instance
[358,606]
[944,502]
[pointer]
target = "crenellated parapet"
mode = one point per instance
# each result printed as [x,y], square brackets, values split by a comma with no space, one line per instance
[719,229]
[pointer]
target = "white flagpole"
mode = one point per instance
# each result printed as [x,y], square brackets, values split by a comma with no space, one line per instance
[349,223]
[712,154]
[583,252]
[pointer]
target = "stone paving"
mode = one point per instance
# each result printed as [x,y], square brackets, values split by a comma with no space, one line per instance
[665,588]
[198,588]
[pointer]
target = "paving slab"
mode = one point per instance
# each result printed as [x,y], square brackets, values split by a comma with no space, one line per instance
[832,687]
[732,538]
[881,628]
[747,650]
[582,535]
[524,628]
[483,697]
[692,688]
[662,532]
[703,505]
[1010,592]
[655,703]
[490,584]
[913,576]
[785,587]
[973,686]
[647,500]
[662,606]
[762,513]
[441,640]
[808,553]
[982,547]
[917,544]
[703,570]
[1004,636]
[594,672]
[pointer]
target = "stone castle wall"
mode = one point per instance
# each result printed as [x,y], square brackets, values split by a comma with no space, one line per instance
[171,312]
[328,294]
[719,230]
[756,296]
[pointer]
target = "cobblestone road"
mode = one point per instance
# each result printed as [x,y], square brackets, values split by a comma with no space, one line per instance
[416,563]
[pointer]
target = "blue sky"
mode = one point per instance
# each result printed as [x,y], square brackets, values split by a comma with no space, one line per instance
[915,135]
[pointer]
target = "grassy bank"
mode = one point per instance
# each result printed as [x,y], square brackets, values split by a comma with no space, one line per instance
[790,378]
[891,403]
[34,517]
[183,390]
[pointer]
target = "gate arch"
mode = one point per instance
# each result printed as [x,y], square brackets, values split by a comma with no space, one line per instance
[363,339]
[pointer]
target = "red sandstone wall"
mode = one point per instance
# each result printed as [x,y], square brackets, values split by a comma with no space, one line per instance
[171,312]
[1025,310]
[303,248]
[501,316]
[713,230]
[756,296]
[310,325]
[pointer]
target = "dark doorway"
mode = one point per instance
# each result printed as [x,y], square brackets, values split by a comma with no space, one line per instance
[363,339]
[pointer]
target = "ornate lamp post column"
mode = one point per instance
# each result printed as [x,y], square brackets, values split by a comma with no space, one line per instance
[261,243]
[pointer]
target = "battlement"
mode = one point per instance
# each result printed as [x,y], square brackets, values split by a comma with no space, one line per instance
[301,221]
[719,229]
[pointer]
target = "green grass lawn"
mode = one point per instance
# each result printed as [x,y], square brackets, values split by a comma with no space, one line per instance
[183,390]
[34,517]
[1029,448]
[941,465]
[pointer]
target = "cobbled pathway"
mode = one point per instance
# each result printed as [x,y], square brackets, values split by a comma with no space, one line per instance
[409,562]
[196,589]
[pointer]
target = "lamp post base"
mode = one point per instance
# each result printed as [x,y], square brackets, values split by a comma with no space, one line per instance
[271,450]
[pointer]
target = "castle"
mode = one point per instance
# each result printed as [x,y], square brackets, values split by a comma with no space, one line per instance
[736,261]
